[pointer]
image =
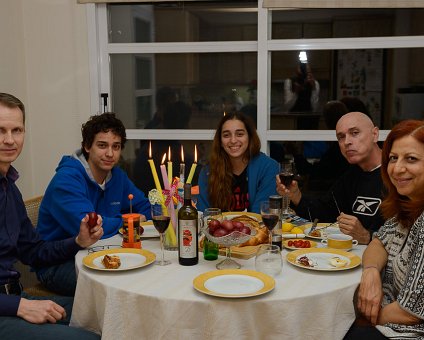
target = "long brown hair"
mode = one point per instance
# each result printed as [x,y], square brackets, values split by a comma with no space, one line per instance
[394,204]
[220,169]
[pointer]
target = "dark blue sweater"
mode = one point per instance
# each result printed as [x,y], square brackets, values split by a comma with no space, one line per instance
[20,241]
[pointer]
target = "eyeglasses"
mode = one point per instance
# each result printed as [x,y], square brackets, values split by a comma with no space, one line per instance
[100,248]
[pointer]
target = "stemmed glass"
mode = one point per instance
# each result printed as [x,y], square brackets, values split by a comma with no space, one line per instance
[161,223]
[269,217]
[287,173]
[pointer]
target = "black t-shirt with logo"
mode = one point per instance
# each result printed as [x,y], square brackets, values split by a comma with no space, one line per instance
[357,193]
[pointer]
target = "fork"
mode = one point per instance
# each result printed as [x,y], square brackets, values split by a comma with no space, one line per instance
[314,225]
[326,226]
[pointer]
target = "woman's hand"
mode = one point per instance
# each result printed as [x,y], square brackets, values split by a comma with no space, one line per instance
[370,294]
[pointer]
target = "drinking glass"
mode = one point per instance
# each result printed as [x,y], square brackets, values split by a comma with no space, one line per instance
[210,249]
[270,217]
[287,173]
[161,223]
[268,259]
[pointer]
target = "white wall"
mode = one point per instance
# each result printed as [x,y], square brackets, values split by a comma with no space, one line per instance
[44,62]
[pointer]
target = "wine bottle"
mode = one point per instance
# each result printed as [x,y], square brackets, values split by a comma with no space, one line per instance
[188,245]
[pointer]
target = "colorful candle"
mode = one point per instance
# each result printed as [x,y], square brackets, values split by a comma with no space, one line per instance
[193,166]
[171,210]
[182,166]
[169,166]
[153,169]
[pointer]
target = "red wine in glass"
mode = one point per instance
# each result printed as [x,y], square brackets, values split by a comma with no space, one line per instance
[269,220]
[161,223]
[286,178]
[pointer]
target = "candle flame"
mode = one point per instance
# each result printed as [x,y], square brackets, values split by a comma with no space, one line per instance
[169,153]
[150,149]
[163,158]
[182,154]
[195,153]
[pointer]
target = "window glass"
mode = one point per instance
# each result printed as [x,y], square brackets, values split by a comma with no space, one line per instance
[346,23]
[388,82]
[183,22]
[143,86]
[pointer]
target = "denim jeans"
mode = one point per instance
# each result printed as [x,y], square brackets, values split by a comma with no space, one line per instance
[60,278]
[13,327]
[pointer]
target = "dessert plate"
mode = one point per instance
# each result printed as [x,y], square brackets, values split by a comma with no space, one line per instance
[321,259]
[323,231]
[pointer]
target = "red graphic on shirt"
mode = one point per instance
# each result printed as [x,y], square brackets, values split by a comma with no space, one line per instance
[240,200]
[187,238]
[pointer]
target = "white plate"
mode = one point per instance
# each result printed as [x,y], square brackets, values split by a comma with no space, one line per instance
[324,232]
[130,259]
[234,283]
[321,257]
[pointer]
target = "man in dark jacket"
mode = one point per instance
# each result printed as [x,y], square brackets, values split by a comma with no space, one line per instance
[21,314]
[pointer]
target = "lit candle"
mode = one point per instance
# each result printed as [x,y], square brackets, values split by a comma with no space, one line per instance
[193,166]
[169,166]
[153,169]
[182,166]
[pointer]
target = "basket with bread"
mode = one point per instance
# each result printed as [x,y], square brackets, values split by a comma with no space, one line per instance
[247,249]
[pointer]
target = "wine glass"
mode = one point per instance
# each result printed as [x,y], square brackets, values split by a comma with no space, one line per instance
[287,173]
[161,223]
[269,217]
[268,259]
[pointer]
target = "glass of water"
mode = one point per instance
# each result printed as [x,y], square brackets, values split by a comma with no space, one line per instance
[268,259]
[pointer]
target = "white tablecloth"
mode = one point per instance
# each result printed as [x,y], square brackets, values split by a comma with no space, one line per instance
[157,302]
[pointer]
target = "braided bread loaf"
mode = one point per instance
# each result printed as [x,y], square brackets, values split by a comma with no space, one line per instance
[262,233]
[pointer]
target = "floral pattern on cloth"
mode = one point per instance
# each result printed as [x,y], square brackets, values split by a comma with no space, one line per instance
[403,279]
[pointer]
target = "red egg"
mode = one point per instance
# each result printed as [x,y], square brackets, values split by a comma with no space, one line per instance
[227,225]
[92,219]
[220,232]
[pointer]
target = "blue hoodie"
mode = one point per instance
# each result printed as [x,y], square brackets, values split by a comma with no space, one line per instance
[72,193]
[261,172]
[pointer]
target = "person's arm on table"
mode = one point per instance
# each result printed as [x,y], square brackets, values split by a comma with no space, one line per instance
[370,293]
[43,311]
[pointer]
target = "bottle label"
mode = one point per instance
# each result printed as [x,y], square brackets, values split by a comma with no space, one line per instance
[188,237]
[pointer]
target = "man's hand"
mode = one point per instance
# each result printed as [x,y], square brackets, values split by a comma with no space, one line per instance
[88,236]
[350,225]
[40,311]
[292,191]
[370,294]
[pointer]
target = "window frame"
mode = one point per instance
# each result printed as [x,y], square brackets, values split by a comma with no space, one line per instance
[100,50]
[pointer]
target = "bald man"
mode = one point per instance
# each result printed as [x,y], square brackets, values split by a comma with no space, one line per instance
[358,192]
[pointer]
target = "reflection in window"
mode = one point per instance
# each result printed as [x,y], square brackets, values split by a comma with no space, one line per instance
[210,83]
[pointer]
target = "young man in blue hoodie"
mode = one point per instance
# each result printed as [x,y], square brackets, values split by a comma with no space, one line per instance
[89,180]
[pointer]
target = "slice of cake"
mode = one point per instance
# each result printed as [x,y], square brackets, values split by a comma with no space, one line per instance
[111,261]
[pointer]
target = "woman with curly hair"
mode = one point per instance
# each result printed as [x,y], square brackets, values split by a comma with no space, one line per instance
[238,176]
[391,292]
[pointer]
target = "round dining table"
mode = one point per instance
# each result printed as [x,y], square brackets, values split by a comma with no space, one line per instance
[160,302]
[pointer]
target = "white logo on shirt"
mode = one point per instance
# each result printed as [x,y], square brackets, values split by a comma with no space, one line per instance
[115,203]
[366,205]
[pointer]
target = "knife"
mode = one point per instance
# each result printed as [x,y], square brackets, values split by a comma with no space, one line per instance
[314,226]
